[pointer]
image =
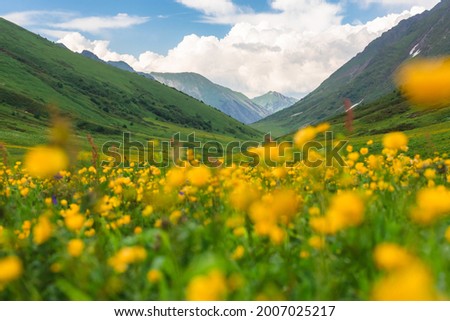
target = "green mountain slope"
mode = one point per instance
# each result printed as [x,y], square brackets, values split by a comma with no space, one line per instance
[98,98]
[274,101]
[232,103]
[368,76]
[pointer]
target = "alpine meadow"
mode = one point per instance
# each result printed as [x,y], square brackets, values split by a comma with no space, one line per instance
[122,183]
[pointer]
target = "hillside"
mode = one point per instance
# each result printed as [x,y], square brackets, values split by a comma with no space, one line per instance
[274,101]
[98,98]
[232,103]
[368,76]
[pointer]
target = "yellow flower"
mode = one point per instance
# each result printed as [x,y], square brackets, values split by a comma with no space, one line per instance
[243,196]
[364,151]
[432,204]
[148,210]
[10,269]
[210,287]
[46,161]
[346,210]
[395,141]
[238,253]
[317,242]
[447,234]
[305,135]
[154,276]
[75,247]
[389,256]
[74,222]
[126,256]
[198,176]
[42,231]
[426,82]
[429,173]
[412,283]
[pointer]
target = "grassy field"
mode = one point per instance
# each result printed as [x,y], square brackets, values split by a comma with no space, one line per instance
[377,228]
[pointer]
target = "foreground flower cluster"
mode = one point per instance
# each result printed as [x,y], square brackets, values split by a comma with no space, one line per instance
[377,228]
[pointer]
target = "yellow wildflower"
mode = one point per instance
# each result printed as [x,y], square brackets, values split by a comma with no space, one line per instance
[395,141]
[75,247]
[412,283]
[154,276]
[210,287]
[46,161]
[426,82]
[199,176]
[10,269]
[42,231]
[389,256]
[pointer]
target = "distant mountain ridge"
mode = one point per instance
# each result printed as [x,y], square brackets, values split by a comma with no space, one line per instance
[274,101]
[232,103]
[368,76]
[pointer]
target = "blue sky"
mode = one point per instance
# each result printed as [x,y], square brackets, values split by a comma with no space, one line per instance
[248,45]
[169,21]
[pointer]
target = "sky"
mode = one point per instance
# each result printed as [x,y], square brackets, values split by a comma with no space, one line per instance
[252,46]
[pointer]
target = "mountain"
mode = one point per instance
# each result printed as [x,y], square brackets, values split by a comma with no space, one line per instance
[232,103]
[89,54]
[121,65]
[368,76]
[118,64]
[274,101]
[98,98]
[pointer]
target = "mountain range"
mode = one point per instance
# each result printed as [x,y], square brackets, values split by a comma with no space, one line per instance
[98,98]
[231,102]
[274,101]
[369,75]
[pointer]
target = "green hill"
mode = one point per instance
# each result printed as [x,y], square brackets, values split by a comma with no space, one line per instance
[428,130]
[368,76]
[99,99]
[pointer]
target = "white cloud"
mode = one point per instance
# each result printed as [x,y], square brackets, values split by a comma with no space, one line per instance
[36,17]
[208,7]
[97,24]
[291,51]
[56,22]
[427,4]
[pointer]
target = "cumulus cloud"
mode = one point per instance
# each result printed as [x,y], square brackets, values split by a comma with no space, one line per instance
[276,51]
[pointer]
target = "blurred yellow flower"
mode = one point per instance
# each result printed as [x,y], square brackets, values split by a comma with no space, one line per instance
[210,287]
[42,231]
[126,256]
[426,82]
[46,161]
[447,234]
[199,176]
[154,276]
[10,269]
[75,247]
[346,210]
[412,283]
[243,196]
[432,204]
[390,256]
[238,253]
[395,141]
[305,135]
